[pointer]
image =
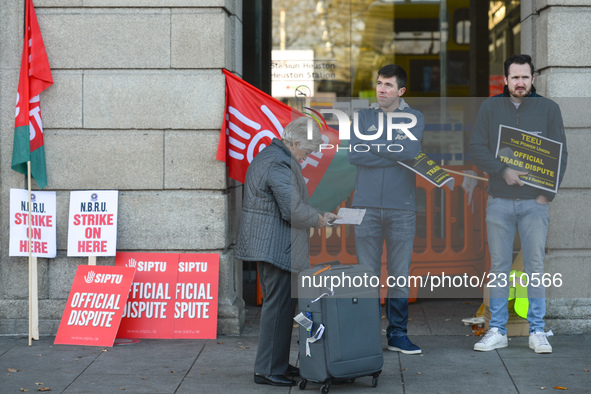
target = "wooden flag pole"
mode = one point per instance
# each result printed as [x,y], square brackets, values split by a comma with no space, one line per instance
[33,293]
[467,175]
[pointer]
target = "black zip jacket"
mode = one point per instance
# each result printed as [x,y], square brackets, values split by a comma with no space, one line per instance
[536,114]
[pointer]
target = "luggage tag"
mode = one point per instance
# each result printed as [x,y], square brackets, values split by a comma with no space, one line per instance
[309,316]
[314,338]
[305,321]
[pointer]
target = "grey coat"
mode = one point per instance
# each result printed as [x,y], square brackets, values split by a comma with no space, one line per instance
[276,215]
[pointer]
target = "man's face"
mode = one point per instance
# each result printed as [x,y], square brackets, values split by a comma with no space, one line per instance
[388,93]
[520,80]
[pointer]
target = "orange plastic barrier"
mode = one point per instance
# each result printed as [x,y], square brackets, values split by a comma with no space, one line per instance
[450,234]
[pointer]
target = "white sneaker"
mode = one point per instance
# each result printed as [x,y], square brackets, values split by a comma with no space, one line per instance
[539,342]
[492,340]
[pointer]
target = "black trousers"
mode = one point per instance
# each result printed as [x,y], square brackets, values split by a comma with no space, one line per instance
[277,321]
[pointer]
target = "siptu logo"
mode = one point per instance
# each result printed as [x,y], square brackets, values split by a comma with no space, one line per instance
[131,263]
[254,136]
[89,277]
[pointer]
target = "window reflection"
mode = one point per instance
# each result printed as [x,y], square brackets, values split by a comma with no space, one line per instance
[332,48]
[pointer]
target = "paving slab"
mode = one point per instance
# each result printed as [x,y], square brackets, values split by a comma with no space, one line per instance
[448,363]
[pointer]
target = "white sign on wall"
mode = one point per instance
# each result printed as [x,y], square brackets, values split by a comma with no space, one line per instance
[291,69]
[42,230]
[92,226]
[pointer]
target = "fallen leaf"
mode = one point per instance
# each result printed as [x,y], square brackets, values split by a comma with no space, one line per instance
[11,370]
[172,371]
[560,388]
[44,388]
[220,343]
[418,373]
[447,319]
[486,373]
[543,388]
[39,384]
[22,389]
[586,370]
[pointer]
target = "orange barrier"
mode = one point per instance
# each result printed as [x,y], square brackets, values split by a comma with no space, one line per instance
[450,233]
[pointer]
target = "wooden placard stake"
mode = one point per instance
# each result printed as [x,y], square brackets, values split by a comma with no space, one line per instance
[467,175]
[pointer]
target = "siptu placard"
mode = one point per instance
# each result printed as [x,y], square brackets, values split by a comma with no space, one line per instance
[173,295]
[95,305]
[92,226]
[538,156]
[149,310]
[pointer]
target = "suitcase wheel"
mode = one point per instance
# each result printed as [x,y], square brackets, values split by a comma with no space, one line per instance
[374,381]
[324,389]
[303,384]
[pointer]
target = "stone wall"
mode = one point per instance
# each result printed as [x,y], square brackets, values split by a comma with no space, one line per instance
[554,32]
[136,106]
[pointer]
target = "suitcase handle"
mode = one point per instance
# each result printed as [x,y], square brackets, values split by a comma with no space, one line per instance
[343,267]
[334,262]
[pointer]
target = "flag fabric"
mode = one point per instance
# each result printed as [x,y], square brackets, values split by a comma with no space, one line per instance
[35,77]
[252,119]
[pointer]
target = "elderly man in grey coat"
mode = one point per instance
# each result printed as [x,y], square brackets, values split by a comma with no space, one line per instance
[274,232]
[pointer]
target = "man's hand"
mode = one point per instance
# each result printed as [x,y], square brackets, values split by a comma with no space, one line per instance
[512,177]
[541,199]
[321,222]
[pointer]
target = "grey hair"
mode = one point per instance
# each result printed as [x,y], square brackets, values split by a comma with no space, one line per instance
[297,131]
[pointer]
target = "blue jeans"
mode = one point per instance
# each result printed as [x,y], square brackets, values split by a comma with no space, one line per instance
[503,218]
[397,228]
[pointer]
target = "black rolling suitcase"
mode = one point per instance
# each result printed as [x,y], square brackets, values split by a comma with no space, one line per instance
[345,339]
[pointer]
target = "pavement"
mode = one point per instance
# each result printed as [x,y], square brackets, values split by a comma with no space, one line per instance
[225,364]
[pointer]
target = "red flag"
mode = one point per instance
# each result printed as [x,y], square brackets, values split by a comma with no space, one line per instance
[35,77]
[252,119]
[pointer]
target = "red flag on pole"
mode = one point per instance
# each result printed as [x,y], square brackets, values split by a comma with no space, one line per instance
[252,119]
[35,77]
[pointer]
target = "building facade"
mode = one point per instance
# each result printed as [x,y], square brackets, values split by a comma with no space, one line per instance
[137,106]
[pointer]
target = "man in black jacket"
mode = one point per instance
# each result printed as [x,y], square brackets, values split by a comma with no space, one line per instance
[512,205]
